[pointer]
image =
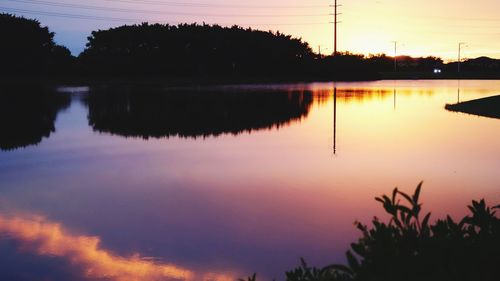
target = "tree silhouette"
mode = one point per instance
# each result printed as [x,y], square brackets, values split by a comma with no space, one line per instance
[194,50]
[201,51]
[28,48]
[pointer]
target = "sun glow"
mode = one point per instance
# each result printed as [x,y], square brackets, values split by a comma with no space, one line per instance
[423,28]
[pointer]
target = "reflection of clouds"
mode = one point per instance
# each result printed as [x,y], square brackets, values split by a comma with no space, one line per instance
[49,239]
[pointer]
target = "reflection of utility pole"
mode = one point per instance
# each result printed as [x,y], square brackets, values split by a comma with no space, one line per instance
[395,55]
[458,96]
[459,54]
[335,22]
[394,98]
[334,119]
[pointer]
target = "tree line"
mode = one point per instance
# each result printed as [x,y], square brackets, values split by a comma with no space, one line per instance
[29,48]
[194,51]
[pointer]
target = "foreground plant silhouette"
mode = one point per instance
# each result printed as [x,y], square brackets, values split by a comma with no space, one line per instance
[409,247]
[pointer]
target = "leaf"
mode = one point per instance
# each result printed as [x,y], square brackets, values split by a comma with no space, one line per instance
[416,210]
[425,222]
[303,262]
[339,267]
[386,199]
[394,193]
[406,196]
[404,209]
[358,249]
[403,216]
[352,261]
[398,223]
[417,192]
[450,221]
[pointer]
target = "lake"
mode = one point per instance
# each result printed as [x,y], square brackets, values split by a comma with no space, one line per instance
[216,183]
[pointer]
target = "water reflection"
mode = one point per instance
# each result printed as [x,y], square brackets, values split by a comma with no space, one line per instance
[150,113]
[252,203]
[62,255]
[334,120]
[27,114]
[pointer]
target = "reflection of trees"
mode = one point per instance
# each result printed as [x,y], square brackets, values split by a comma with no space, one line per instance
[27,114]
[146,113]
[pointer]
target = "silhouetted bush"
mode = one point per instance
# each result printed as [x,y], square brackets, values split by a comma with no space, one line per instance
[409,247]
[28,48]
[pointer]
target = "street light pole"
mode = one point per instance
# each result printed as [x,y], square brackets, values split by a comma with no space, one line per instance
[395,55]
[460,54]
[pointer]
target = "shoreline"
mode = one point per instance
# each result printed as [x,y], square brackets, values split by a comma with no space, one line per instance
[75,80]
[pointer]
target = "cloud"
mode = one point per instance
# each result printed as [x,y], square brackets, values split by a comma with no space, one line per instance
[48,239]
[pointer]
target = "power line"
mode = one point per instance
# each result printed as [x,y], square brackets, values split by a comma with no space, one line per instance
[191,4]
[112,9]
[64,15]
[128,20]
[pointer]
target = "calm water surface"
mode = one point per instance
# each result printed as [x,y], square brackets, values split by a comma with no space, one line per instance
[128,183]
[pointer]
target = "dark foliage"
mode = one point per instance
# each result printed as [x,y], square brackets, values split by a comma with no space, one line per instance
[422,64]
[344,66]
[204,52]
[329,273]
[477,65]
[251,278]
[156,113]
[193,50]
[27,114]
[409,247]
[28,48]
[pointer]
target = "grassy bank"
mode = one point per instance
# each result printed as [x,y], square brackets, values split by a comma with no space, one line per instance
[488,107]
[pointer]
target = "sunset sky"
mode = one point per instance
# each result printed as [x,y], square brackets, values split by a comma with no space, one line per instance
[421,27]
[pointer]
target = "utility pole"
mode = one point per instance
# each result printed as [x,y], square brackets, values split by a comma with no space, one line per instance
[460,53]
[334,119]
[335,22]
[395,55]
